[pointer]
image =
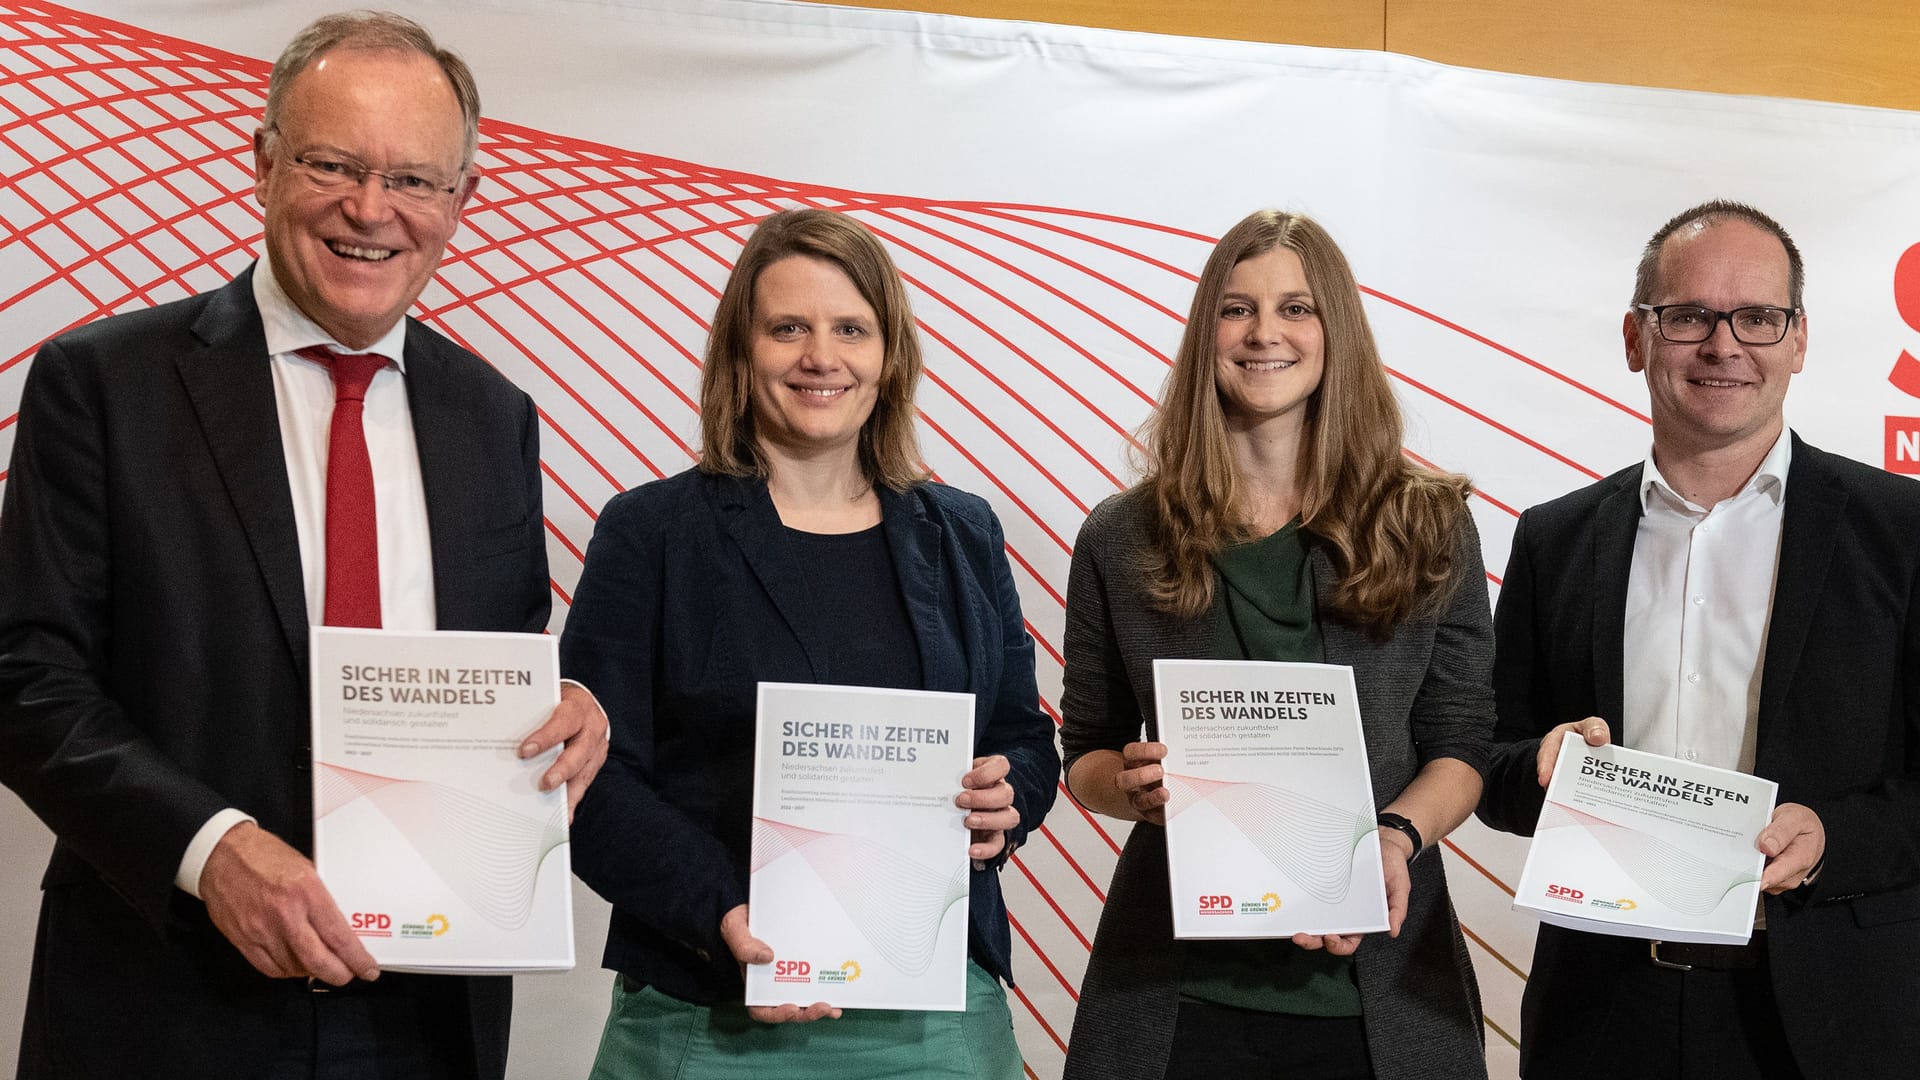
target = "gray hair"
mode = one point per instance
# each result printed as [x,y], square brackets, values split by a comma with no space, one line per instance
[372,30]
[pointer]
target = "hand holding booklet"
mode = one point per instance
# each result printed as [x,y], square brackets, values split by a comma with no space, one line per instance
[1642,845]
[428,829]
[1270,821]
[860,874]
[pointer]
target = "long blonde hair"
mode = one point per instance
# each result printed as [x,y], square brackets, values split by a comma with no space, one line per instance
[1389,526]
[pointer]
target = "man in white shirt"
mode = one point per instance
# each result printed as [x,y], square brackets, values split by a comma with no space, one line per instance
[192,488]
[1744,600]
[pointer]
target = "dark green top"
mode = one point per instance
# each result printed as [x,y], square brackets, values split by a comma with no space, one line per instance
[1267,589]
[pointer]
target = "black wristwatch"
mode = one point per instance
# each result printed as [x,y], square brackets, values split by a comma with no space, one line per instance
[1399,821]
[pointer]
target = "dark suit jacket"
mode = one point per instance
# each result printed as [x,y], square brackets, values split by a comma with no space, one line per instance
[1839,730]
[153,655]
[693,595]
[1423,695]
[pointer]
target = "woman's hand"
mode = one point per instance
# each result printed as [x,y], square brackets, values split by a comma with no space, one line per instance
[988,800]
[748,949]
[1395,853]
[1141,780]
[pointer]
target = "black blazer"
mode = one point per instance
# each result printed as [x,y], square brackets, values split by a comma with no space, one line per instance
[692,595]
[153,655]
[1839,730]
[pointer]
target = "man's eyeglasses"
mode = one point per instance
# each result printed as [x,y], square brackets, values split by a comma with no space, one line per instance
[1690,324]
[338,174]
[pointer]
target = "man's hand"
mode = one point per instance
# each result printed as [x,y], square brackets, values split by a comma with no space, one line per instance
[1593,729]
[1794,842]
[751,950]
[988,798]
[268,900]
[578,722]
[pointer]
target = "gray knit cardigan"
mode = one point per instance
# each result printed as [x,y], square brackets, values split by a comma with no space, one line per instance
[1424,694]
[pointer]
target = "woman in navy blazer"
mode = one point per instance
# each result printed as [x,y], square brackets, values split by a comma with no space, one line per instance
[807,546]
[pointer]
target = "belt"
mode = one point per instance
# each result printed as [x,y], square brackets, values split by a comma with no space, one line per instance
[1686,956]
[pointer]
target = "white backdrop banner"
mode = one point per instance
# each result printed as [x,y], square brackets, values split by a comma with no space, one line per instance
[1050,193]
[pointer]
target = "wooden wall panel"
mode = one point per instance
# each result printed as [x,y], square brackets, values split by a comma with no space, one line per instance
[1334,24]
[1858,51]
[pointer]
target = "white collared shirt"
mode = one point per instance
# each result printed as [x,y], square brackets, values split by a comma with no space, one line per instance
[303,394]
[1699,601]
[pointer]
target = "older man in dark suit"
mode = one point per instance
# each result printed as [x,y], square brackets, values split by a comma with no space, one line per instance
[1745,600]
[194,486]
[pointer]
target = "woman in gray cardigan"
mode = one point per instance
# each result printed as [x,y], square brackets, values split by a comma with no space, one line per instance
[1279,520]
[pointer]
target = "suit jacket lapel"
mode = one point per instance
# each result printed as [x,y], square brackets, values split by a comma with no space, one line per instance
[1615,524]
[454,512]
[1810,523]
[230,383]
[755,526]
[914,540]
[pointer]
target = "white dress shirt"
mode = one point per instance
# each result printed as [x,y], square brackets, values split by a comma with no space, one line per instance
[1699,600]
[303,393]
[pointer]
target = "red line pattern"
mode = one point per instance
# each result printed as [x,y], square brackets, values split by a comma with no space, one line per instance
[587,273]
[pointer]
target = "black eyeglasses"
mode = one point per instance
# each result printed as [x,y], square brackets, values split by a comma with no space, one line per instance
[1690,324]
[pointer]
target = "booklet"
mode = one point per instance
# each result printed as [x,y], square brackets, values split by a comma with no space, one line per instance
[860,872]
[1270,824]
[1642,845]
[428,829]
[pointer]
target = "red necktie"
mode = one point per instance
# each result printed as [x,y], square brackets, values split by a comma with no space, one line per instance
[353,548]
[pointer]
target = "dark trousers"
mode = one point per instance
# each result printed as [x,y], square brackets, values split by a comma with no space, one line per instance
[399,1027]
[1211,1042]
[1653,1023]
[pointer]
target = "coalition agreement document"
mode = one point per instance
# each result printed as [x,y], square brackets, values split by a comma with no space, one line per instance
[1642,845]
[428,830]
[1270,826]
[859,875]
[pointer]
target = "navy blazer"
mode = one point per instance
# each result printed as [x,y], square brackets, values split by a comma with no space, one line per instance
[153,655]
[1839,729]
[693,595]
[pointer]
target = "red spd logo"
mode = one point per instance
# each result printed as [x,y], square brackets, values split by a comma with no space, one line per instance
[792,971]
[1216,905]
[1903,432]
[371,924]
[1565,892]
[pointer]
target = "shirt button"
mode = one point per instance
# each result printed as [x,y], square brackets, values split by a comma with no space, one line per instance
[1693,676]
[1691,755]
[1699,600]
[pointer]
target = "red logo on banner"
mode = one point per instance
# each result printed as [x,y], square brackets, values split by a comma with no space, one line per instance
[1903,432]
[1903,443]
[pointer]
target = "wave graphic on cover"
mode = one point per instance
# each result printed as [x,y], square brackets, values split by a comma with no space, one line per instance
[489,856]
[896,904]
[1677,878]
[1310,841]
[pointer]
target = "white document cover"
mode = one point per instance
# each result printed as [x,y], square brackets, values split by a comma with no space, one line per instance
[1642,845]
[1270,824]
[427,828]
[860,869]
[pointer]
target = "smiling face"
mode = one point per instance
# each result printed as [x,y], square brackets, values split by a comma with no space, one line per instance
[354,261]
[1717,394]
[817,353]
[1269,344]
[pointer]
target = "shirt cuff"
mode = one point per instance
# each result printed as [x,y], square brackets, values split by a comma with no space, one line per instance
[201,847]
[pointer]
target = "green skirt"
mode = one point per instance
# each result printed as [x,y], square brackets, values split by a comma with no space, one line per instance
[650,1036]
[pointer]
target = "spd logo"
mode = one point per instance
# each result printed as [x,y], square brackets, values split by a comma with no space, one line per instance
[371,924]
[1216,904]
[792,971]
[1903,432]
[1565,892]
